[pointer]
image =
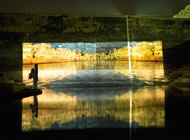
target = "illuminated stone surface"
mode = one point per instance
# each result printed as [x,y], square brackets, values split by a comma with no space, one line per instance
[185,13]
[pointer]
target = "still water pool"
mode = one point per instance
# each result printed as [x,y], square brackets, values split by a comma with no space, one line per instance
[94,94]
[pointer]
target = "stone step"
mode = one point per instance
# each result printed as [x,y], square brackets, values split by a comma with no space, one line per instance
[182,82]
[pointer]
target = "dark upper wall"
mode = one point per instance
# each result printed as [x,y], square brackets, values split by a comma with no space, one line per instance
[18,28]
[157,28]
[62,28]
[65,28]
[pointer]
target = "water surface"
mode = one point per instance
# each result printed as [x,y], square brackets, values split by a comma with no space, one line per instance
[96,95]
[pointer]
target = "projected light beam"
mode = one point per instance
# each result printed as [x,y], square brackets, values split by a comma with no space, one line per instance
[128,44]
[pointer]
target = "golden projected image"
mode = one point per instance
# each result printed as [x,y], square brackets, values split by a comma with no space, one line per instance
[57,52]
[95,85]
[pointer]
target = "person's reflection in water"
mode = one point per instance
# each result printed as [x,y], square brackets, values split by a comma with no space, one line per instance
[34,74]
[34,107]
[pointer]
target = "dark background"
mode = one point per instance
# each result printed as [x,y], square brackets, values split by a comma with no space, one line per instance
[95,7]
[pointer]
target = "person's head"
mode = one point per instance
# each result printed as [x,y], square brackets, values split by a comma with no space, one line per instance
[36,65]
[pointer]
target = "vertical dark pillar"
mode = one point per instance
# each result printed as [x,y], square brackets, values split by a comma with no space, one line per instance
[175,54]
[11,55]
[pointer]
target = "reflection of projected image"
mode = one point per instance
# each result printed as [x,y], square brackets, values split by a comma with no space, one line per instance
[92,81]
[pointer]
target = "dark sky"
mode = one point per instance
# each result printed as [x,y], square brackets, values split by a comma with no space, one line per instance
[95,7]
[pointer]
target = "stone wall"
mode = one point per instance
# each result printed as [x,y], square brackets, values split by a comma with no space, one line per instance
[18,28]
[56,28]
